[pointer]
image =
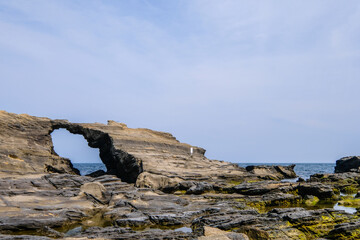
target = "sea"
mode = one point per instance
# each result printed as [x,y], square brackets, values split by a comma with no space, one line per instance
[303,170]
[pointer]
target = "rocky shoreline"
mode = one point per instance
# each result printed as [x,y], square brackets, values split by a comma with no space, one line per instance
[156,187]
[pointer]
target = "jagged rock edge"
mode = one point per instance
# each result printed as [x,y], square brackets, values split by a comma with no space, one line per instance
[117,162]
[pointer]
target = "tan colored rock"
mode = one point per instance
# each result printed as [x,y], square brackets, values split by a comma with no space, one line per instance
[211,233]
[96,189]
[156,181]
[26,147]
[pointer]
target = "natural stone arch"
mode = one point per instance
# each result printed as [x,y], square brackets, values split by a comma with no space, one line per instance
[117,162]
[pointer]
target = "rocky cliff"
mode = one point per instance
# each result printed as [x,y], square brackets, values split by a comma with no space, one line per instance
[149,158]
[26,146]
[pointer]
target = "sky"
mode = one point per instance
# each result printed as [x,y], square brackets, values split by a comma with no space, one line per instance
[249,81]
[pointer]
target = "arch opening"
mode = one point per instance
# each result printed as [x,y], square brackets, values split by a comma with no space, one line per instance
[76,148]
[118,162]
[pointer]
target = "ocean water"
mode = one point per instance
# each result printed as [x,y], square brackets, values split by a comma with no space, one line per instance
[86,168]
[303,170]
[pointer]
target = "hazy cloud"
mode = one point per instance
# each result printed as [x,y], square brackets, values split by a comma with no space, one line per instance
[247,80]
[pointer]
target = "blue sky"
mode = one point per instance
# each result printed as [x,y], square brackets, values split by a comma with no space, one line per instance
[250,81]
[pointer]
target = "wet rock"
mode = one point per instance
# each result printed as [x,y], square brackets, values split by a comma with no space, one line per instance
[311,200]
[348,164]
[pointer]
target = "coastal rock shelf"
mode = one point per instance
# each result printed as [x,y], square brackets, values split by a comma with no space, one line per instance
[156,187]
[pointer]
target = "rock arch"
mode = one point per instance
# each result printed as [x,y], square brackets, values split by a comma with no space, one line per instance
[117,162]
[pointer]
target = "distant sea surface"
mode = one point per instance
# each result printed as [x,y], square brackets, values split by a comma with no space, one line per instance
[86,168]
[303,170]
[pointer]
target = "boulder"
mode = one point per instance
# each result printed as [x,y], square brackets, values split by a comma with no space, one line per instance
[348,164]
[157,181]
[95,189]
[269,172]
[319,190]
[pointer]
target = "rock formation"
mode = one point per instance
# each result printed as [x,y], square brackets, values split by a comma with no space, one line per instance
[154,188]
[149,158]
[348,164]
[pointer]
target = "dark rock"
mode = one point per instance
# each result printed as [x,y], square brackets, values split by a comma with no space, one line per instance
[300,180]
[316,189]
[134,220]
[263,187]
[167,219]
[127,233]
[357,195]
[97,173]
[22,237]
[199,188]
[347,164]
[286,171]
[349,230]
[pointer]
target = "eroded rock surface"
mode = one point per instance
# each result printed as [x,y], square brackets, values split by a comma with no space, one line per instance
[155,189]
[26,147]
[70,206]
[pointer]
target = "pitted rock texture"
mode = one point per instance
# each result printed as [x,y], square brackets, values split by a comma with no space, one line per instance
[26,147]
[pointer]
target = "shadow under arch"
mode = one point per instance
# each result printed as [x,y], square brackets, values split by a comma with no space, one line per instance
[117,162]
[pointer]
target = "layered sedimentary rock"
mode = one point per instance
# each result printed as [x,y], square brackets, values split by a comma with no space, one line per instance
[26,146]
[149,158]
[66,205]
[43,197]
